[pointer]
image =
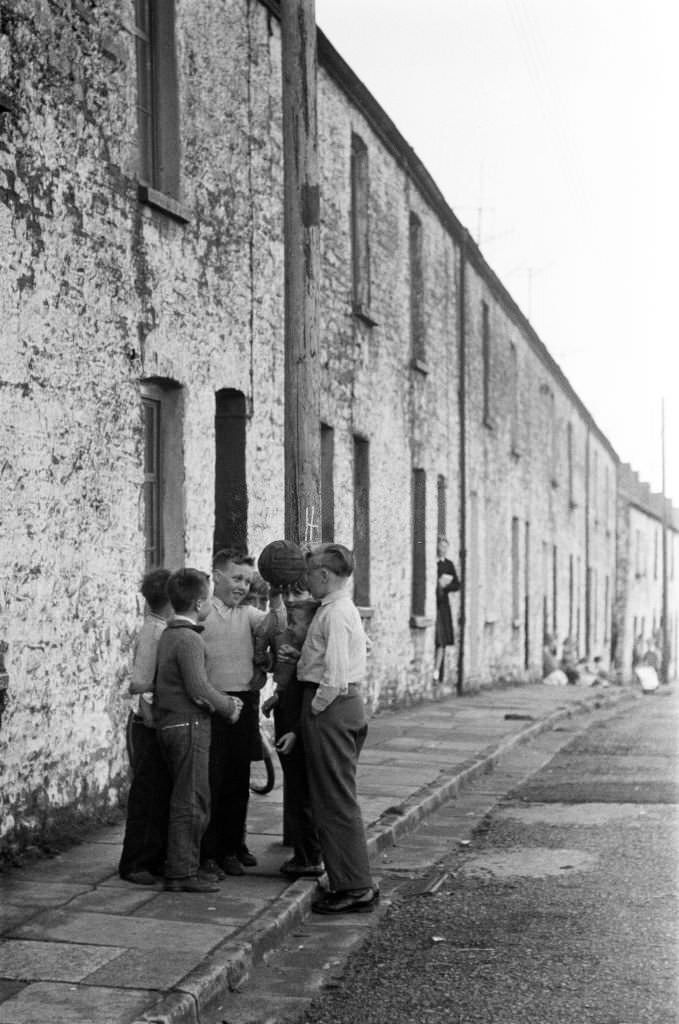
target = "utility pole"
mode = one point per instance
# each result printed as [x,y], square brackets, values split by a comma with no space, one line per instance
[302,272]
[664,661]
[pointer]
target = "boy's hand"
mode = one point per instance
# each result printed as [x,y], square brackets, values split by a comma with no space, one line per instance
[258,680]
[237,708]
[285,744]
[269,704]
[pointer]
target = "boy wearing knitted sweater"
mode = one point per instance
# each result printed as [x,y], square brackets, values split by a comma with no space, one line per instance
[184,700]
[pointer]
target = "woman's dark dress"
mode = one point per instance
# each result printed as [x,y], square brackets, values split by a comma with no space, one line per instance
[445,636]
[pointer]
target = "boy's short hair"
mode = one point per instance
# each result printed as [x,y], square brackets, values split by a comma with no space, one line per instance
[334,557]
[186,586]
[238,556]
[154,588]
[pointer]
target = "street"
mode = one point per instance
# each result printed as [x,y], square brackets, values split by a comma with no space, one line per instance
[546,893]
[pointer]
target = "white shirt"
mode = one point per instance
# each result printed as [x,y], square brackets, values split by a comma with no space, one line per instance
[334,652]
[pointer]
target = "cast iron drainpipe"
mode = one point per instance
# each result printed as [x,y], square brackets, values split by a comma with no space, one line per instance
[462,405]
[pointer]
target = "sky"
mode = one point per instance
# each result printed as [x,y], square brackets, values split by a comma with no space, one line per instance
[552,129]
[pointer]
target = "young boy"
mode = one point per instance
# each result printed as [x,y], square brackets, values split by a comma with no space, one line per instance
[299,829]
[183,702]
[230,633]
[143,852]
[332,668]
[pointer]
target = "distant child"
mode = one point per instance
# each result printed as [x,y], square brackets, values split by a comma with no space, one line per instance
[332,669]
[143,853]
[184,701]
[286,702]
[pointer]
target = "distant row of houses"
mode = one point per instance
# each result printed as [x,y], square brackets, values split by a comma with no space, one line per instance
[141,227]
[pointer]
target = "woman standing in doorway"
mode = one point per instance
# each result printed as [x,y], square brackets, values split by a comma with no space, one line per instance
[447,582]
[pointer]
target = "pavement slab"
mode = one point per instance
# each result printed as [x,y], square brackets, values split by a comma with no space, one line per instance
[55,1003]
[130,932]
[52,961]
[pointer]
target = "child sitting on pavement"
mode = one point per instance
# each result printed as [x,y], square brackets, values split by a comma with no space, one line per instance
[184,700]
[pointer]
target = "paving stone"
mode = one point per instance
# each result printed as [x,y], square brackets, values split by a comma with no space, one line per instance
[91,862]
[11,916]
[52,961]
[111,900]
[35,893]
[140,968]
[57,1003]
[130,932]
[227,911]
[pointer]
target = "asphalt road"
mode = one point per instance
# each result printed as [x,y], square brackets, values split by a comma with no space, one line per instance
[546,894]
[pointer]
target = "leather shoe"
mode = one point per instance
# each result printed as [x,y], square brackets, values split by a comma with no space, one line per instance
[232,866]
[190,884]
[211,870]
[347,902]
[247,858]
[140,878]
[296,869]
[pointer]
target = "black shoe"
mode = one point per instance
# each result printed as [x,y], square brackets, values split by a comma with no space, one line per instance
[347,902]
[296,869]
[140,878]
[232,866]
[211,870]
[190,884]
[247,858]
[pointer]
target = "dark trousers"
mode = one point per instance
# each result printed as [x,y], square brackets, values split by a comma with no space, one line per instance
[298,825]
[230,753]
[186,746]
[148,805]
[333,741]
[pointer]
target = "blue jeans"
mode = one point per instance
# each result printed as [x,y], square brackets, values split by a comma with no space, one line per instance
[186,746]
[147,805]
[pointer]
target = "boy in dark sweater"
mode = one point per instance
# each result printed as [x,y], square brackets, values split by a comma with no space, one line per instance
[184,701]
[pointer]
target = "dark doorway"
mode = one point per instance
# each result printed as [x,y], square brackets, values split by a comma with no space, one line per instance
[231,497]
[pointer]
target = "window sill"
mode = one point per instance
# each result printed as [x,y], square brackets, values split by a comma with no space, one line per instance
[488,421]
[420,366]
[160,201]
[554,482]
[572,505]
[361,313]
[420,622]
[365,611]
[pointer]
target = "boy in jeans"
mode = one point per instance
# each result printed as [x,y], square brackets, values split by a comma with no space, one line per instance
[183,703]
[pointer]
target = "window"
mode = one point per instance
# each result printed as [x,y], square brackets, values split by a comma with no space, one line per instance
[163,488]
[516,596]
[607,610]
[571,594]
[157,104]
[362,521]
[417,320]
[655,554]
[231,496]
[553,438]
[327,483]
[152,531]
[441,510]
[486,359]
[514,425]
[419,541]
[555,590]
[360,227]
[569,453]
[595,488]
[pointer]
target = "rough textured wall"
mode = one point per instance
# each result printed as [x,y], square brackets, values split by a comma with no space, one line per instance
[99,293]
[369,388]
[517,454]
